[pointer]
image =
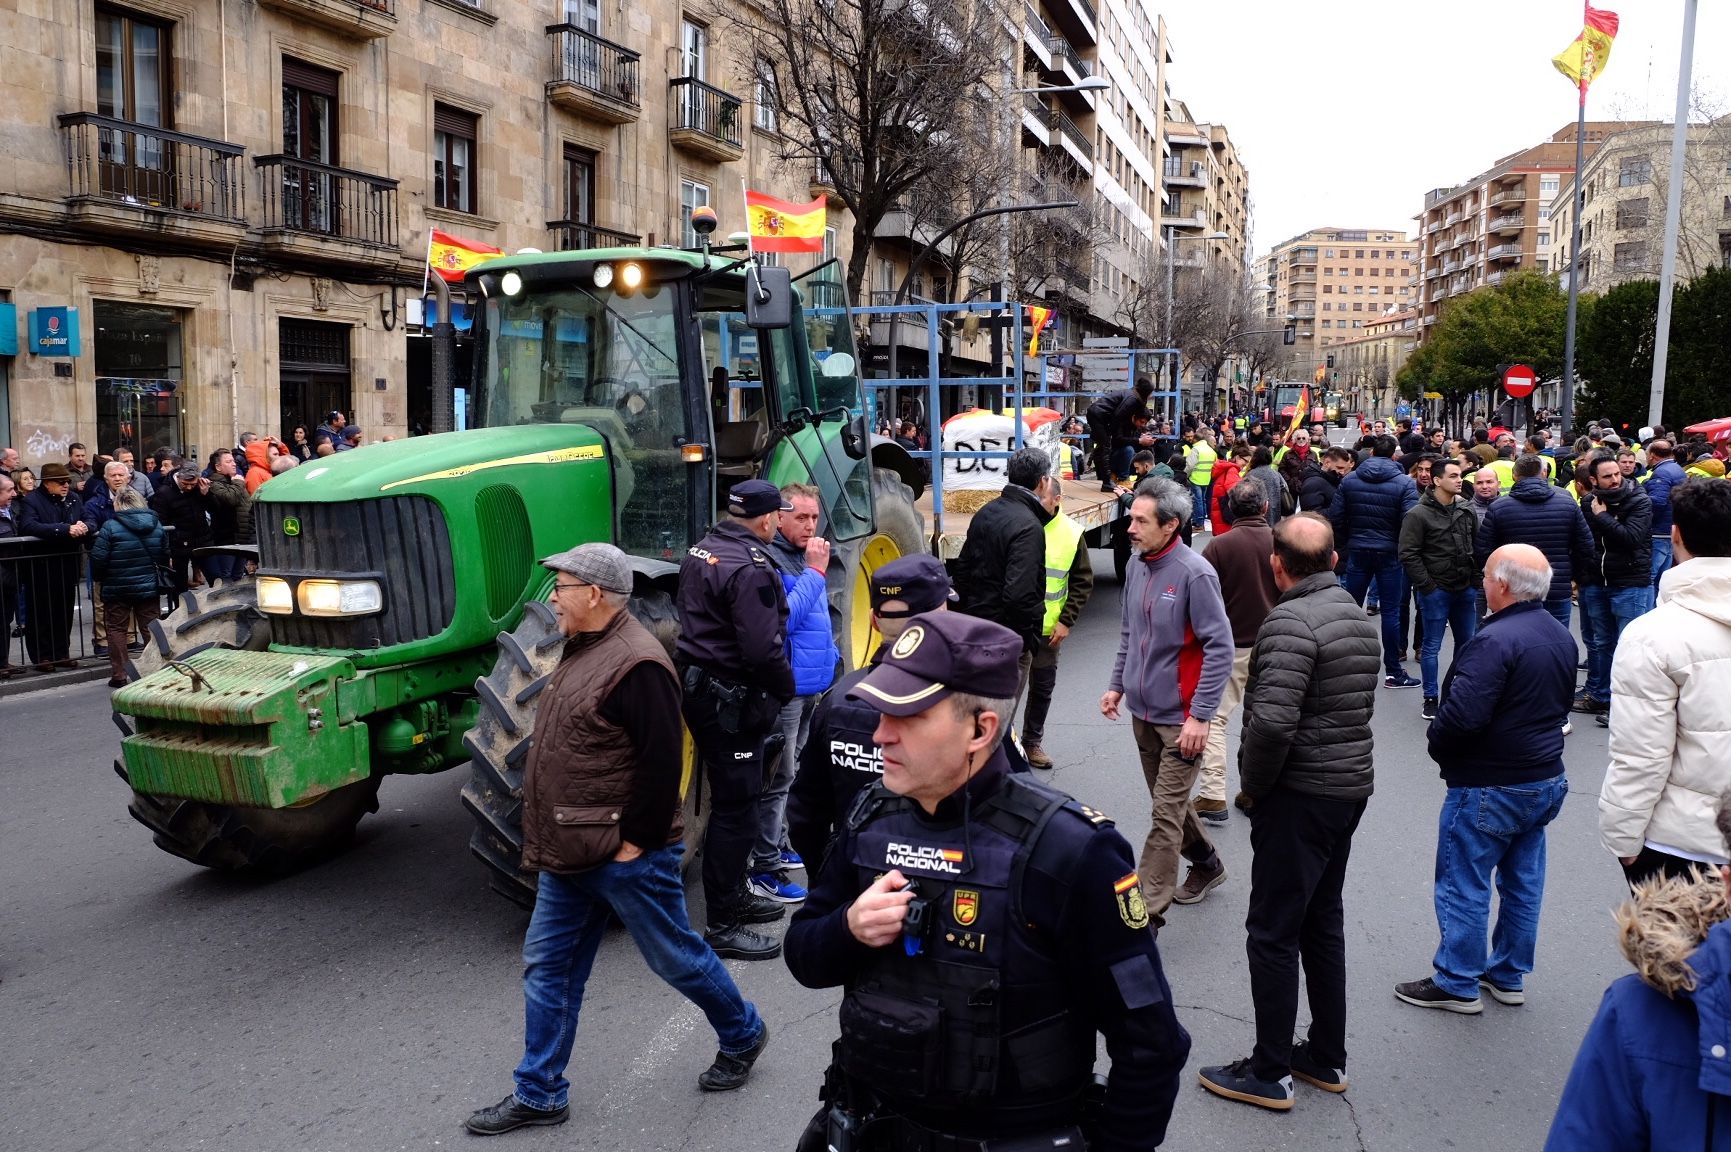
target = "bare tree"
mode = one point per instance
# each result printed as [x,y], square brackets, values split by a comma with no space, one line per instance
[882,94]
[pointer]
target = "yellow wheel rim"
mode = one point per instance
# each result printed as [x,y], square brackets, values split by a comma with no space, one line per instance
[877,552]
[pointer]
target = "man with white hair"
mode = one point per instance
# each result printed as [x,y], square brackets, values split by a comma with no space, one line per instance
[1499,744]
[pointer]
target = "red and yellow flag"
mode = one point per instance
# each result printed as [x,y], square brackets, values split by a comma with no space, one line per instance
[451,256]
[778,226]
[1583,60]
[1038,318]
[1302,409]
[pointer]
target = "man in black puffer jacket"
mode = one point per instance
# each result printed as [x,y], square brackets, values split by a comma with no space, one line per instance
[1001,573]
[1305,761]
[1367,512]
[1539,513]
[1436,548]
[1614,589]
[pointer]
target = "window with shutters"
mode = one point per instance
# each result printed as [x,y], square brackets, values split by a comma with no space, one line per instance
[454,138]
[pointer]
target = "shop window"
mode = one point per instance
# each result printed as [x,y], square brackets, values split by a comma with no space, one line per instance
[139,374]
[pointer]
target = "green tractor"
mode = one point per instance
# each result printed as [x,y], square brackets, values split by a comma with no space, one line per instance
[398,620]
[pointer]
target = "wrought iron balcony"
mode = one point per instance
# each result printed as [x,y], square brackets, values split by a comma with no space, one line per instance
[1177,170]
[1064,55]
[593,77]
[1035,25]
[1077,138]
[576,235]
[704,120]
[323,203]
[1507,224]
[135,173]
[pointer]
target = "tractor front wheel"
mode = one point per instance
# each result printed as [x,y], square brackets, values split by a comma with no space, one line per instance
[270,841]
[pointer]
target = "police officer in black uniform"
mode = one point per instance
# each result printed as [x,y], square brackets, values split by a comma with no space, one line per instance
[985,927]
[732,660]
[841,758]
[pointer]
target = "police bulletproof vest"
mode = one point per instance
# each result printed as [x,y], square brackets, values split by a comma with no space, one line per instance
[976,1013]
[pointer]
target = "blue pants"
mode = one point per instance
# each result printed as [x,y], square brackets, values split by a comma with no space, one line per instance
[1484,831]
[1199,503]
[1459,611]
[1364,566]
[559,950]
[1605,612]
[1661,564]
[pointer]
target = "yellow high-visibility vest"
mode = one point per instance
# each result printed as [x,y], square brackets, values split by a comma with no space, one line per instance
[1205,458]
[1505,470]
[1063,537]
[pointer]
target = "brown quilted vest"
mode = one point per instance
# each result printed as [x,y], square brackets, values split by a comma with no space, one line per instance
[579,771]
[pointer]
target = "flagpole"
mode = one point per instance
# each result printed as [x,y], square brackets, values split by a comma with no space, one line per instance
[1568,404]
[745,202]
[1673,214]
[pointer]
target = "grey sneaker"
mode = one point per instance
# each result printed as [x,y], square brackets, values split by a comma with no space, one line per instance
[1425,994]
[1513,997]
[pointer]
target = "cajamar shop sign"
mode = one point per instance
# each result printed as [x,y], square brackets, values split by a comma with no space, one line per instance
[54,332]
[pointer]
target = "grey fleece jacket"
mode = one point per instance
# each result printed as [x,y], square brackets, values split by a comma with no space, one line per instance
[1175,642]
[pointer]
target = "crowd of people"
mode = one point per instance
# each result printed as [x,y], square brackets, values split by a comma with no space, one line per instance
[132,535]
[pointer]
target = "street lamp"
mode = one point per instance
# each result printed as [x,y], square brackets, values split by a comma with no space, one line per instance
[1091,84]
[1172,239]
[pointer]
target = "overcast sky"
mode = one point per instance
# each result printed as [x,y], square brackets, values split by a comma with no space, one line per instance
[1347,112]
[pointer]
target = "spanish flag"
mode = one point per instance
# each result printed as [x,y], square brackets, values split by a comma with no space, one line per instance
[777,226]
[1302,409]
[451,256]
[1583,60]
[1038,318]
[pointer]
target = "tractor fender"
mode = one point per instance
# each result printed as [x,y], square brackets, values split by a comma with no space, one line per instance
[886,453]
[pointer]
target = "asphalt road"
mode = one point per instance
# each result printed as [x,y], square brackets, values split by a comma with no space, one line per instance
[373,1002]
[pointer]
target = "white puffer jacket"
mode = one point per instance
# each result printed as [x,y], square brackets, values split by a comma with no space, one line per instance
[1671,717]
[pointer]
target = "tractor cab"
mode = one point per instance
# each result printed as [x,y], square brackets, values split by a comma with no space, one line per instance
[698,371]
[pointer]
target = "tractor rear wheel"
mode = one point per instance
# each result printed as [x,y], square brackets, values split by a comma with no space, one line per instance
[271,841]
[498,744]
[901,531]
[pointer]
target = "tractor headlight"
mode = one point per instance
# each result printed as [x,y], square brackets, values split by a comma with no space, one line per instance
[275,596]
[341,597]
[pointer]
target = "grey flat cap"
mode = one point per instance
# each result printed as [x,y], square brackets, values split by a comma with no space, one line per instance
[602,565]
[188,471]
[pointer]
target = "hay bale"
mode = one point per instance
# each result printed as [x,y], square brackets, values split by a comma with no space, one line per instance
[968,500]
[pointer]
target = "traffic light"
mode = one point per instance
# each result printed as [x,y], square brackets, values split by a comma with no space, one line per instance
[1331,361]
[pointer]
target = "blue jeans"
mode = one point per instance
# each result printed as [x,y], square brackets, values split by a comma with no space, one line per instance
[1605,612]
[1460,612]
[559,950]
[1481,831]
[1363,566]
[1199,503]
[1121,459]
[795,723]
[1661,564]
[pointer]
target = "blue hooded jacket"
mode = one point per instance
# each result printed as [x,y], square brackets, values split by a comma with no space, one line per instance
[1654,1071]
[1659,483]
[1369,506]
[810,641]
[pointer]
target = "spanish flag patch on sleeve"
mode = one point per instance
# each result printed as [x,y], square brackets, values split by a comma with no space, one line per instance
[1124,885]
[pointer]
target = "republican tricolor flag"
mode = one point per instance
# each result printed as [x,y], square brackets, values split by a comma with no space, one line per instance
[1583,60]
[451,256]
[778,226]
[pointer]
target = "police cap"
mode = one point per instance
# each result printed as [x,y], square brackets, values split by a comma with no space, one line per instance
[941,653]
[755,498]
[920,582]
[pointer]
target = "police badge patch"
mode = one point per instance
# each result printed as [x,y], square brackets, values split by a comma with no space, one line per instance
[1132,909]
[965,906]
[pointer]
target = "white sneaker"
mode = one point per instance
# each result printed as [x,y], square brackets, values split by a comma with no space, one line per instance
[1568,727]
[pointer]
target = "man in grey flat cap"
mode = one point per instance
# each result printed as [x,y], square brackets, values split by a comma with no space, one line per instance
[602,826]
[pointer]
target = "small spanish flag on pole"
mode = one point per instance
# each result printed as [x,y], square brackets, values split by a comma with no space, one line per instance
[451,256]
[1038,318]
[778,226]
[1301,409]
[1583,60]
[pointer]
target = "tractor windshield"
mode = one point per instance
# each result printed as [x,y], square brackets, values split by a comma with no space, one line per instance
[577,355]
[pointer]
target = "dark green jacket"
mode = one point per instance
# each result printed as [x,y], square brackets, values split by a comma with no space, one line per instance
[1436,545]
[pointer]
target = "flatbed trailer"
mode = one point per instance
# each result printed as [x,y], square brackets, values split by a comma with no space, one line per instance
[1093,509]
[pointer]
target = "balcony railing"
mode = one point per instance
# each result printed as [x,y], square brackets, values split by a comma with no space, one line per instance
[321,200]
[1063,54]
[1508,194]
[704,110]
[1035,24]
[1503,250]
[145,167]
[1057,119]
[1507,223]
[1176,168]
[599,67]
[576,235]
[1072,274]
[1036,106]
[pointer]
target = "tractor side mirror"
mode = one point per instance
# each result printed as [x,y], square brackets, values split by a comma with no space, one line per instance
[854,438]
[768,297]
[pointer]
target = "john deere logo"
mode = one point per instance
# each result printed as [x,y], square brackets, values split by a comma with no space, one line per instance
[291,526]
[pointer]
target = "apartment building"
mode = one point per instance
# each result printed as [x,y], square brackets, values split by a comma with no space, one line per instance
[222,211]
[1208,191]
[1478,232]
[1327,284]
[1367,362]
[1627,184]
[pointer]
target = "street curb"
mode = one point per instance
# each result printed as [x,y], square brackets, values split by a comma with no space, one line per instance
[36,681]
